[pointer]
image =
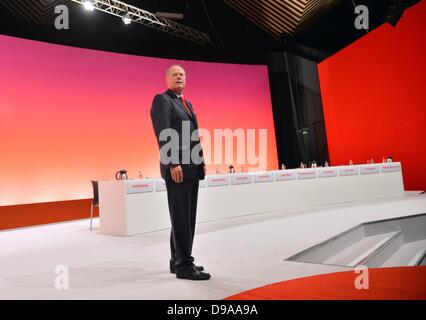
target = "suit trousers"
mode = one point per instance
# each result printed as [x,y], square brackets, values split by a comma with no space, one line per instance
[182,199]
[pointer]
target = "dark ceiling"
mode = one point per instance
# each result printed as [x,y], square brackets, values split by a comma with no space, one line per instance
[235,34]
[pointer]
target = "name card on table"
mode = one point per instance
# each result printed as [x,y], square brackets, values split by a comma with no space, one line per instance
[370,168]
[241,178]
[306,174]
[139,186]
[327,172]
[284,175]
[263,177]
[160,185]
[349,171]
[217,180]
[391,167]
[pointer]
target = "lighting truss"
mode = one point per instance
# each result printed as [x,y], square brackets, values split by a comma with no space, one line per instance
[119,8]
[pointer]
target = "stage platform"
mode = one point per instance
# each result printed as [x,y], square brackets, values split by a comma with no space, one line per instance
[241,253]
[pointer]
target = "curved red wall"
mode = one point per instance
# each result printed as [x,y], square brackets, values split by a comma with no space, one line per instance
[69,115]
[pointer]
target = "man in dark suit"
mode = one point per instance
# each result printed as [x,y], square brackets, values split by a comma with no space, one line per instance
[182,166]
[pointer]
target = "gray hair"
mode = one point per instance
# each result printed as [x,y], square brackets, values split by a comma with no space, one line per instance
[174,65]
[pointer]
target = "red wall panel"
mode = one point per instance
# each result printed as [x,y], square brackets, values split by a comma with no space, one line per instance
[25,215]
[374,97]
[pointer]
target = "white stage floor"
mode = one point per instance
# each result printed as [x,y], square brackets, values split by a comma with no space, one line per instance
[240,253]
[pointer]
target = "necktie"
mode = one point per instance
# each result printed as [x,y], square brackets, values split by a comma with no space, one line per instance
[184,103]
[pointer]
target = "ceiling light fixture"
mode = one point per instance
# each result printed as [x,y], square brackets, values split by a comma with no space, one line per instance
[88,5]
[137,15]
[126,18]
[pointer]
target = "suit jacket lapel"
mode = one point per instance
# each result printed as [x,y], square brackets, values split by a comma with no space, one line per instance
[180,103]
[192,110]
[190,114]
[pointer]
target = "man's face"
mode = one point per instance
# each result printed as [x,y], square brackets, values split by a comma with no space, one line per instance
[176,79]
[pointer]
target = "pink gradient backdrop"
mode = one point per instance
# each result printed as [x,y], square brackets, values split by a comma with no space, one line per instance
[68,115]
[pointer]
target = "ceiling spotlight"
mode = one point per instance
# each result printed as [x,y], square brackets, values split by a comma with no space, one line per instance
[88,5]
[126,18]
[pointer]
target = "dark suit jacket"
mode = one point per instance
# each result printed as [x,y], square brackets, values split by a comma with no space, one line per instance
[168,112]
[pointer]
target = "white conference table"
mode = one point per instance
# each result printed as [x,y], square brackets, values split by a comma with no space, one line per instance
[130,207]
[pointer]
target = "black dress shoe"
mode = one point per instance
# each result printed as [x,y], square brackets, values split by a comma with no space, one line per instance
[173,269]
[193,274]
